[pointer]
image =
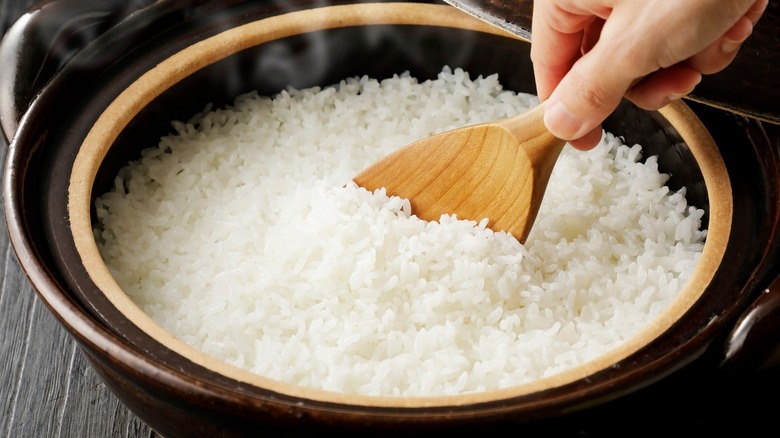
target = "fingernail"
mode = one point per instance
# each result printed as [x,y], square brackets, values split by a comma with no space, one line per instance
[669,99]
[729,46]
[675,96]
[562,122]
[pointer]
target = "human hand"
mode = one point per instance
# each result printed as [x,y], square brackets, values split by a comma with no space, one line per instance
[588,54]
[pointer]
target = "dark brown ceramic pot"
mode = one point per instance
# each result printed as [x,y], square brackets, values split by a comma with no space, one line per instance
[86,84]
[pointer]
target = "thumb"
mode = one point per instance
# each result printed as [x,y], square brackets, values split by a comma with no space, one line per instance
[586,96]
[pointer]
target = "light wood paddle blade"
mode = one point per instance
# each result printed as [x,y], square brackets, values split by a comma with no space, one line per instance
[496,170]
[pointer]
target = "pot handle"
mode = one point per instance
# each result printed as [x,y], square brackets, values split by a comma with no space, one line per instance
[43,40]
[753,342]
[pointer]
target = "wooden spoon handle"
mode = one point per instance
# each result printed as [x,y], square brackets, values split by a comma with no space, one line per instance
[540,146]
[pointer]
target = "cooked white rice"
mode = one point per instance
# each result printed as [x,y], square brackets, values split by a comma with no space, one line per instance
[244,236]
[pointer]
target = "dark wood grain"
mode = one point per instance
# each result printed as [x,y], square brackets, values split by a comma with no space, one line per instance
[49,388]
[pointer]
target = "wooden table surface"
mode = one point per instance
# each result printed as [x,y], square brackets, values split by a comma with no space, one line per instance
[47,388]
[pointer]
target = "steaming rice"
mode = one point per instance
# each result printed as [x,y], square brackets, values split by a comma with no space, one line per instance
[243,235]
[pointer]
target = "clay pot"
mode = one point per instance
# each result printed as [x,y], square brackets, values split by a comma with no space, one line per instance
[86,85]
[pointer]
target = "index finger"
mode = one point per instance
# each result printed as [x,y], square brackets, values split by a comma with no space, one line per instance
[556,43]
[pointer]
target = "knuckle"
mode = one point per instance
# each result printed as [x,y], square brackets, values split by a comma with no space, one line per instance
[598,94]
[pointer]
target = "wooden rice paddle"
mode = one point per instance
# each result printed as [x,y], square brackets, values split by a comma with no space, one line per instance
[497,170]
